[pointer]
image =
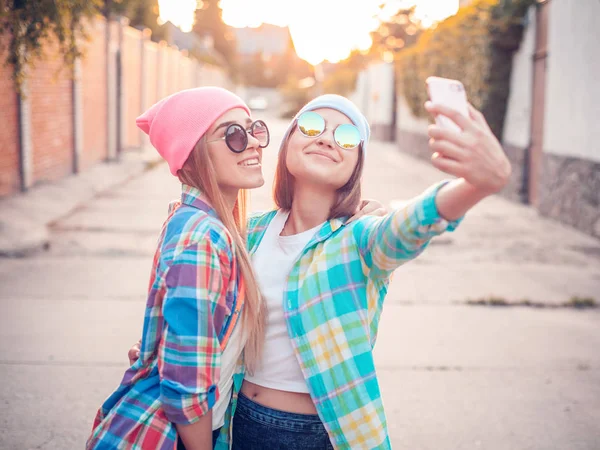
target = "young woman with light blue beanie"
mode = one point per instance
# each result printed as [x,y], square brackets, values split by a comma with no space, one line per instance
[324,280]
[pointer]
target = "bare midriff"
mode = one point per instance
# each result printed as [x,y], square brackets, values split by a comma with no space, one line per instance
[294,402]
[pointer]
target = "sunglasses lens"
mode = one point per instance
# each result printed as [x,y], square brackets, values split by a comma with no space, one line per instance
[261,133]
[236,138]
[347,136]
[311,124]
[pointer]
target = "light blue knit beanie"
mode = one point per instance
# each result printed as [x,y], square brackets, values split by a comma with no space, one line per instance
[341,104]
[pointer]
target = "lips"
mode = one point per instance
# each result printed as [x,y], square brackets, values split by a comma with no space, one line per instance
[250,162]
[321,153]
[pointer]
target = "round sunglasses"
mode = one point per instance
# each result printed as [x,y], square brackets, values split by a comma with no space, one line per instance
[236,136]
[312,124]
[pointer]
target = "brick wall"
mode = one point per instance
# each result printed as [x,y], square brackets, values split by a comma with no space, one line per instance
[95,107]
[51,103]
[49,134]
[9,131]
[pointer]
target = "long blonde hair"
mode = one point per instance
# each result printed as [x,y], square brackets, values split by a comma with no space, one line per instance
[198,171]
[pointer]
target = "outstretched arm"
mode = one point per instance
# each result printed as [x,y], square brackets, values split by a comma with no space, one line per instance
[475,156]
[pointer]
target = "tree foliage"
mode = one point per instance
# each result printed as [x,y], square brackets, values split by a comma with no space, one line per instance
[141,14]
[27,25]
[475,46]
[395,34]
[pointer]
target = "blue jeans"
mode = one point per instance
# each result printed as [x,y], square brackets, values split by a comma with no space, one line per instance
[256,427]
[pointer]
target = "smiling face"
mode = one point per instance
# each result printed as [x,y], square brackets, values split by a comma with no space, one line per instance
[319,160]
[234,171]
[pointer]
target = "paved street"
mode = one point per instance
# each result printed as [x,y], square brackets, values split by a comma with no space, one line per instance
[454,375]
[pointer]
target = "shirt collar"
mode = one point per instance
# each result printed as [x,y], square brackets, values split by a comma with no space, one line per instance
[192,196]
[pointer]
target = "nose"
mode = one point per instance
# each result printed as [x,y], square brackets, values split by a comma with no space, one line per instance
[325,140]
[252,141]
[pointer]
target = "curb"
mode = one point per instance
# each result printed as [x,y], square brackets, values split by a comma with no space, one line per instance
[25,217]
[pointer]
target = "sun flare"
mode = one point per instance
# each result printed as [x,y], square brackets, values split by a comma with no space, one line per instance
[321,29]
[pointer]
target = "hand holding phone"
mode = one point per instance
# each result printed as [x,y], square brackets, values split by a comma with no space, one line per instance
[451,93]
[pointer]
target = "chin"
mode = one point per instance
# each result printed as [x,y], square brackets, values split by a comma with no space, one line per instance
[253,184]
[321,176]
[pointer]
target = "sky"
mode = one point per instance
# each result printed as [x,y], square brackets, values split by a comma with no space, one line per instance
[321,29]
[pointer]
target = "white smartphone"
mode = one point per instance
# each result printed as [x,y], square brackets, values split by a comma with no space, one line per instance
[450,93]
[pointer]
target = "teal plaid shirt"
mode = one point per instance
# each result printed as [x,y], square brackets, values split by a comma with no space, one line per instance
[333,303]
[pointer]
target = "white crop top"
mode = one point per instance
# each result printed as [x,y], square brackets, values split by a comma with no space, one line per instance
[272,263]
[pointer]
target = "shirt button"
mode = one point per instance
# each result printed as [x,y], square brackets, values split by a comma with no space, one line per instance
[289,304]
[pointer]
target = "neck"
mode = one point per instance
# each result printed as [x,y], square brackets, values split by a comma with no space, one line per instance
[310,207]
[230,197]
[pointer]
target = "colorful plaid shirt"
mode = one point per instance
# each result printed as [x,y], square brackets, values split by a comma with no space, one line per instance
[332,303]
[192,308]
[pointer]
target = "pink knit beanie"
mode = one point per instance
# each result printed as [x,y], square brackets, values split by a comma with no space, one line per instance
[176,123]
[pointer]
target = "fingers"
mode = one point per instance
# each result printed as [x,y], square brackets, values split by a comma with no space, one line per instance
[368,208]
[133,356]
[465,123]
[448,150]
[379,212]
[134,352]
[447,165]
[478,117]
[459,139]
[354,217]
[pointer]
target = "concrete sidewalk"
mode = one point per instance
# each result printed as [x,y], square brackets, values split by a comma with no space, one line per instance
[455,375]
[25,217]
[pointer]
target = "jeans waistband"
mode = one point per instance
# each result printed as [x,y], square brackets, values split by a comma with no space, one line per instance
[277,418]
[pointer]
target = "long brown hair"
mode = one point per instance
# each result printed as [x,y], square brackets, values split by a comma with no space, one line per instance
[348,197]
[198,171]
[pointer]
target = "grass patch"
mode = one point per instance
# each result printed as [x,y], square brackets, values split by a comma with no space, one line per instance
[581,302]
[574,302]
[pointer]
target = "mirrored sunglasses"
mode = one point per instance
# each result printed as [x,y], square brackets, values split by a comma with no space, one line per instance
[312,124]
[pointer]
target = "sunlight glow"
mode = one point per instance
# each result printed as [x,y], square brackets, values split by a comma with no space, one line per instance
[321,29]
[180,13]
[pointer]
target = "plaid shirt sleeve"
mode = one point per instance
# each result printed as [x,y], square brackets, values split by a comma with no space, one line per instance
[387,242]
[190,354]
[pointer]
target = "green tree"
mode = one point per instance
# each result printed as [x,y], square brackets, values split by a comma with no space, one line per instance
[26,25]
[141,14]
[340,78]
[392,36]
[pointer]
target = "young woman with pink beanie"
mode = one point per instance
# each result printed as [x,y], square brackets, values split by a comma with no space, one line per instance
[201,281]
